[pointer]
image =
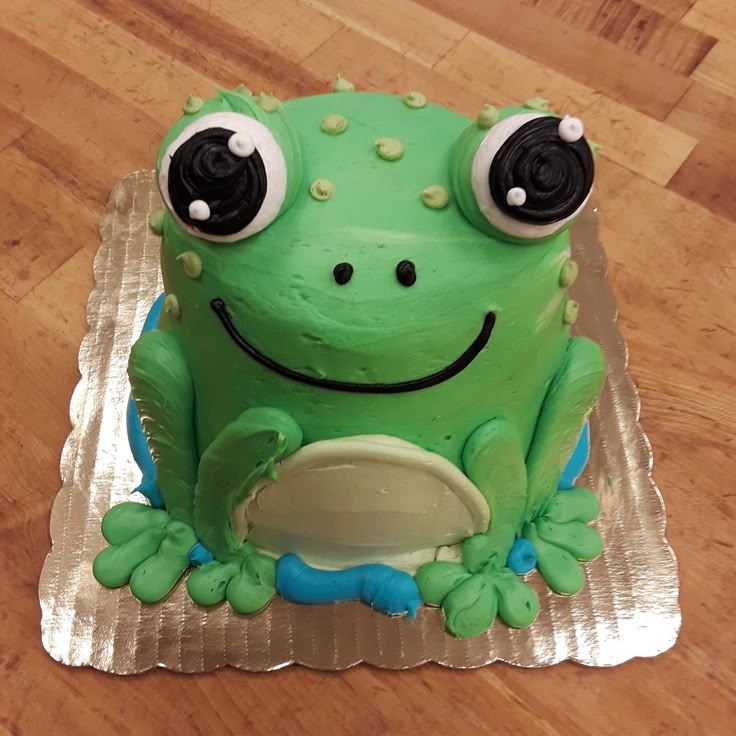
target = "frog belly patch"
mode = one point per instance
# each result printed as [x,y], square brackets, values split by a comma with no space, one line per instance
[356,500]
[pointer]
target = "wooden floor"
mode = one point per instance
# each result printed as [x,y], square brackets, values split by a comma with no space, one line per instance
[87,90]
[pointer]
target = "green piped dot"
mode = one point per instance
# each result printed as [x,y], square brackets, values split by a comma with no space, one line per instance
[192,105]
[488,117]
[191,263]
[171,306]
[572,309]
[156,222]
[334,124]
[389,149]
[569,273]
[269,103]
[342,85]
[322,189]
[415,100]
[537,103]
[241,89]
[435,197]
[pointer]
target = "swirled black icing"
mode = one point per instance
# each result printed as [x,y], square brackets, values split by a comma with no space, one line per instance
[556,176]
[233,187]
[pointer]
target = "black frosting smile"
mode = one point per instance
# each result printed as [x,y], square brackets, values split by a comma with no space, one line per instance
[458,365]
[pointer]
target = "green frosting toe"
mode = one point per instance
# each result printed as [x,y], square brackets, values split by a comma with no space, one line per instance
[518,604]
[127,520]
[156,576]
[114,565]
[254,586]
[436,579]
[581,541]
[577,504]
[471,607]
[207,584]
[556,565]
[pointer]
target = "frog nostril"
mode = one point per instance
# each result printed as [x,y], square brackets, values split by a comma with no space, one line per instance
[406,273]
[343,272]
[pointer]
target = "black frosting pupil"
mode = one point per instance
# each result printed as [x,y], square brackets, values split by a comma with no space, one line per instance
[406,273]
[343,272]
[557,176]
[232,186]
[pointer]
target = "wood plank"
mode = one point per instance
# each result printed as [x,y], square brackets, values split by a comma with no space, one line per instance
[617,73]
[707,115]
[719,28]
[643,145]
[411,29]
[716,70]
[673,9]
[12,126]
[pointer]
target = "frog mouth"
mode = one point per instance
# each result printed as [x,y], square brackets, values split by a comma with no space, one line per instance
[459,364]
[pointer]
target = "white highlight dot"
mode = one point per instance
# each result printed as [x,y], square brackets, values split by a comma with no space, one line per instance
[571,129]
[241,144]
[516,196]
[199,210]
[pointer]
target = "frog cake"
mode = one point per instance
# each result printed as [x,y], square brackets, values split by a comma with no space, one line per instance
[360,381]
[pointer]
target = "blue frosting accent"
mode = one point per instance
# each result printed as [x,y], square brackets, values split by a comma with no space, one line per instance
[136,437]
[577,461]
[523,557]
[380,586]
[200,555]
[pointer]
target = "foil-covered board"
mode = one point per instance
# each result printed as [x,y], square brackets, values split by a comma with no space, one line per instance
[628,608]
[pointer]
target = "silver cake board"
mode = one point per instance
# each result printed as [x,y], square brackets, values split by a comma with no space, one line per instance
[628,608]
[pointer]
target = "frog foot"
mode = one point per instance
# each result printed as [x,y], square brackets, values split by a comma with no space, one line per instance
[471,600]
[148,550]
[561,537]
[248,582]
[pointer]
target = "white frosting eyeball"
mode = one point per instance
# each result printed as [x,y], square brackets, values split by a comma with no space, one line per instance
[516,196]
[241,144]
[571,129]
[199,210]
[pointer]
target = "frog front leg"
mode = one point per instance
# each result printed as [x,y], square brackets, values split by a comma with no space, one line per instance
[471,593]
[150,547]
[246,450]
[555,522]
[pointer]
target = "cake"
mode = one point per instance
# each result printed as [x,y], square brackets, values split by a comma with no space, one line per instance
[360,381]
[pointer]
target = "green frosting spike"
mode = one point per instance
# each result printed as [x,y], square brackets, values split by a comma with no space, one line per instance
[322,189]
[334,124]
[558,567]
[269,103]
[127,520]
[436,579]
[569,273]
[581,541]
[487,117]
[192,263]
[171,306]
[192,105]
[577,504]
[241,89]
[114,566]
[156,222]
[471,607]
[595,148]
[207,584]
[415,100]
[389,149]
[435,197]
[518,604]
[156,576]
[572,309]
[539,104]
[254,586]
[342,85]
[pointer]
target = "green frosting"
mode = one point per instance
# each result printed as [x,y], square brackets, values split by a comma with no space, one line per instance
[539,104]
[342,85]
[389,149]
[269,103]
[192,105]
[487,117]
[156,222]
[322,189]
[415,100]
[572,308]
[509,419]
[569,274]
[241,89]
[171,306]
[334,124]
[435,197]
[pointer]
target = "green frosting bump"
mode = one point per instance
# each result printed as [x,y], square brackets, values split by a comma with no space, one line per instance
[557,566]
[539,104]
[241,89]
[577,504]
[254,586]
[342,85]
[569,273]
[415,100]
[127,520]
[572,309]
[269,103]
[594,147]
[114,566]
[192,105]
[436,579]
[471,607]
[389,149]
[580,540]
[171,306]
[322,189]
[435,197]
[488,117]
[334,124]
[518,604]
[191,263]
[207,584]
[156,222]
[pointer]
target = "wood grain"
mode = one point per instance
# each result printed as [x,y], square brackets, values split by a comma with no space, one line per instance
[88,88]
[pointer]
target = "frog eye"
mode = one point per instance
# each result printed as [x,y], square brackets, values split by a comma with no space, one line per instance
[532,174]
[224,177]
